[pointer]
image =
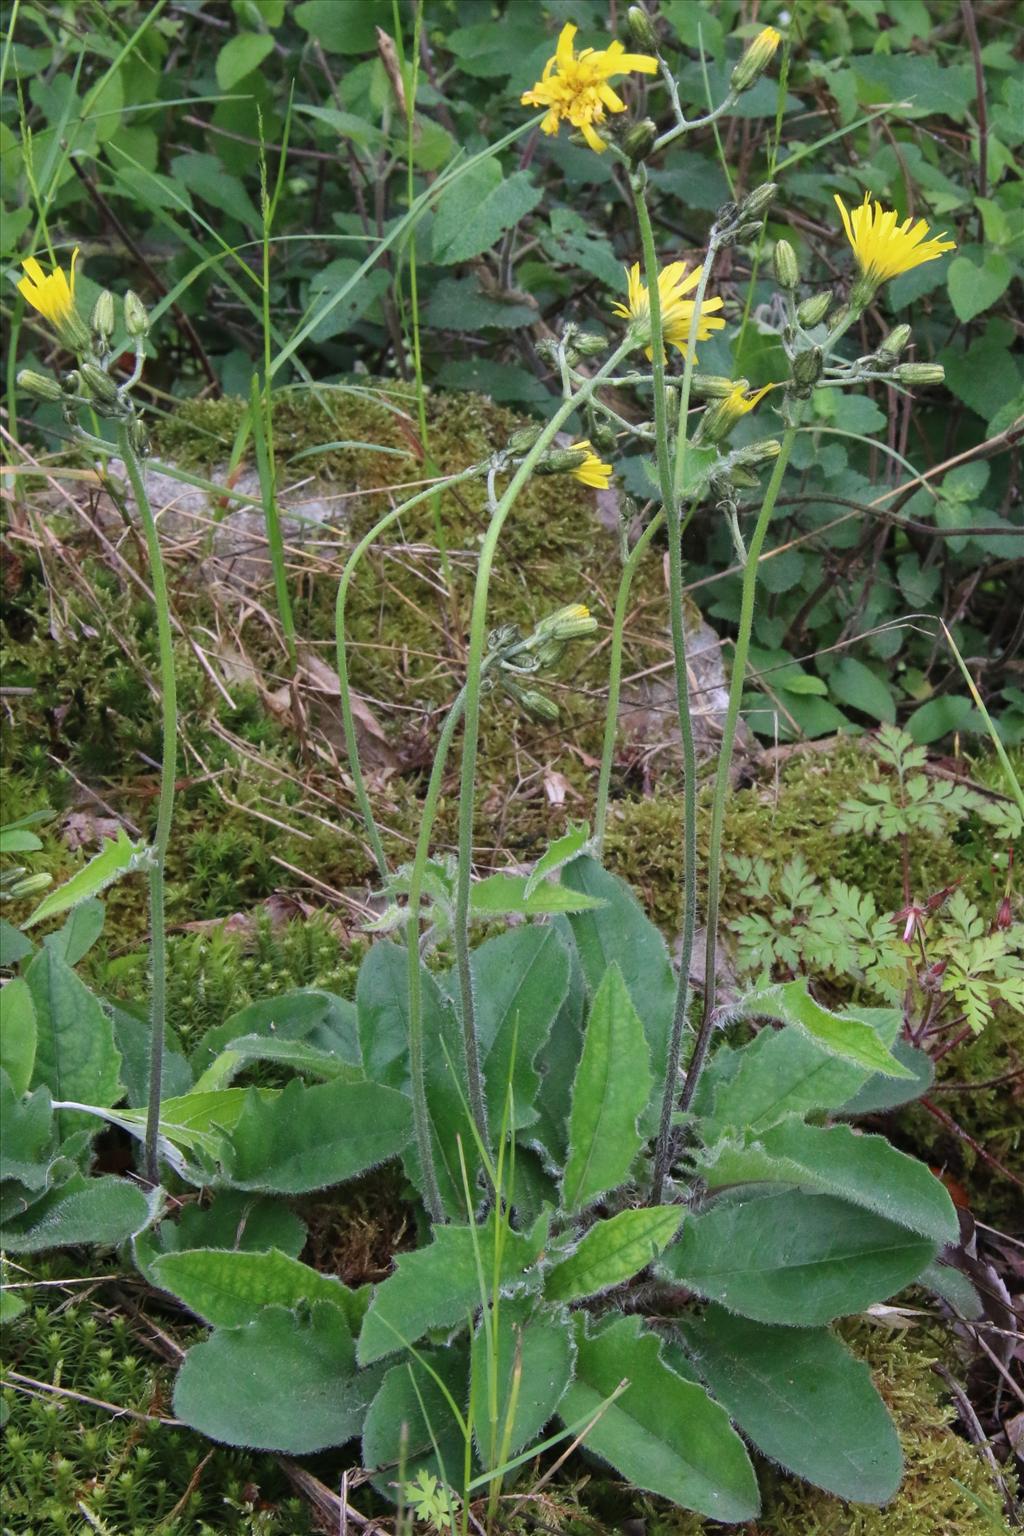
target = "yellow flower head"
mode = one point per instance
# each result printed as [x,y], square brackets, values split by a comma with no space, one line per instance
[676,311]
[884,248]
[722,415]
[574,86]
[591,472]
[53,296]
[756,59]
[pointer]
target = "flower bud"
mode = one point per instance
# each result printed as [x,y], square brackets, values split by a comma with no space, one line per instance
[749,231]
[40,386]
[568,623]
[807,369]
[893,344]
[638,140]
[765,449]
[523,440]
[787,273]
[1004,914]
[757,203]
[100,385]
[714,386]
[559,460]
[136,316]
[603,438]
[538,706]
[642,28]
[756,59]
[30,885]
[590,344]
[139,437]
[102,322]
[813,310]
[920,373]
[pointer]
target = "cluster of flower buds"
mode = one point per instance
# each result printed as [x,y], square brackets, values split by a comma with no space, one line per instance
[91,383]
[743,221]
[511,656]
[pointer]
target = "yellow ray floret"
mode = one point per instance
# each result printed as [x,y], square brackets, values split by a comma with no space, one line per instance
[674,281]
[884,248]
[575,86]
[591,472]
[52,295]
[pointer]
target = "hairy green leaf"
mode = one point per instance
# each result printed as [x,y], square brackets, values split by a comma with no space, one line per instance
[226,1287]
[613,1251]
[118,856]
[840,1034]
[17,1033]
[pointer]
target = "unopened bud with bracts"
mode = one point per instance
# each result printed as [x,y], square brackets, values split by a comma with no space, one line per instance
[756,204]
[136,316]
[102,322]
[602,438]
[538,706]
[590,344]
[138,436]
[638,140]
[813,310]
[642,28]
[893,344]
[787,273]
[568,623]
[560,460]
[714,386]
[761,452]
[40,386]
[747,232]
[807,368]
[921,373]
[756,59]
[1004,914]
[523,440]
[100,386]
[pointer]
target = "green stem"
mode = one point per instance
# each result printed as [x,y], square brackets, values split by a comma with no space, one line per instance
[471,737]
[421,1112]
[721,790]
[165,804]
[669,476]
[341,653]
[611,723]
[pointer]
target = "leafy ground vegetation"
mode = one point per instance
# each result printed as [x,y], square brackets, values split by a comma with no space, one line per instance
[567,1073]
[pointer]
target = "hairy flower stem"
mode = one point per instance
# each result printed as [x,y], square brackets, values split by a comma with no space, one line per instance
[721,790]
[471,735]
[670,493]
[421,1112]
[165,804]
[341,652]
[611,723]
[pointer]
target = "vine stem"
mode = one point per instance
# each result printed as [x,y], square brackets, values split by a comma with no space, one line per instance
[721,789]
[341,652]
[669,475]
[165,804]
[471,734]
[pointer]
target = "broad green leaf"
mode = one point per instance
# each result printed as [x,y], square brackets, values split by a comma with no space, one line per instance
[226,1287]
[83,927]
[118,856]
[341,26]
[794,1258]
[559,853]
[438,1286]
[233,1219]
[382,1000]
[973,288]
[206,177]
[623,933]
[11,1306]
[858,686]
[612,1087]
[410,1421]
[289,1016]
[782,1072]
[559,1059]
[663,1434]
[840,1034]
[198,1121]
[520,981]
[499,895]
[280,1383]
[459,304]
[26,1134]
[308,1138]
[17,1033]
[837,1160]
[14,946]
[881,1093]
[538,1344]
[102,1212]
[475,210]
[939,717]
[18,840]
[954,1288]
[297,1054]
[132,1036]
[803,1400]
[240,55]
[613,1251]
[75,1052]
